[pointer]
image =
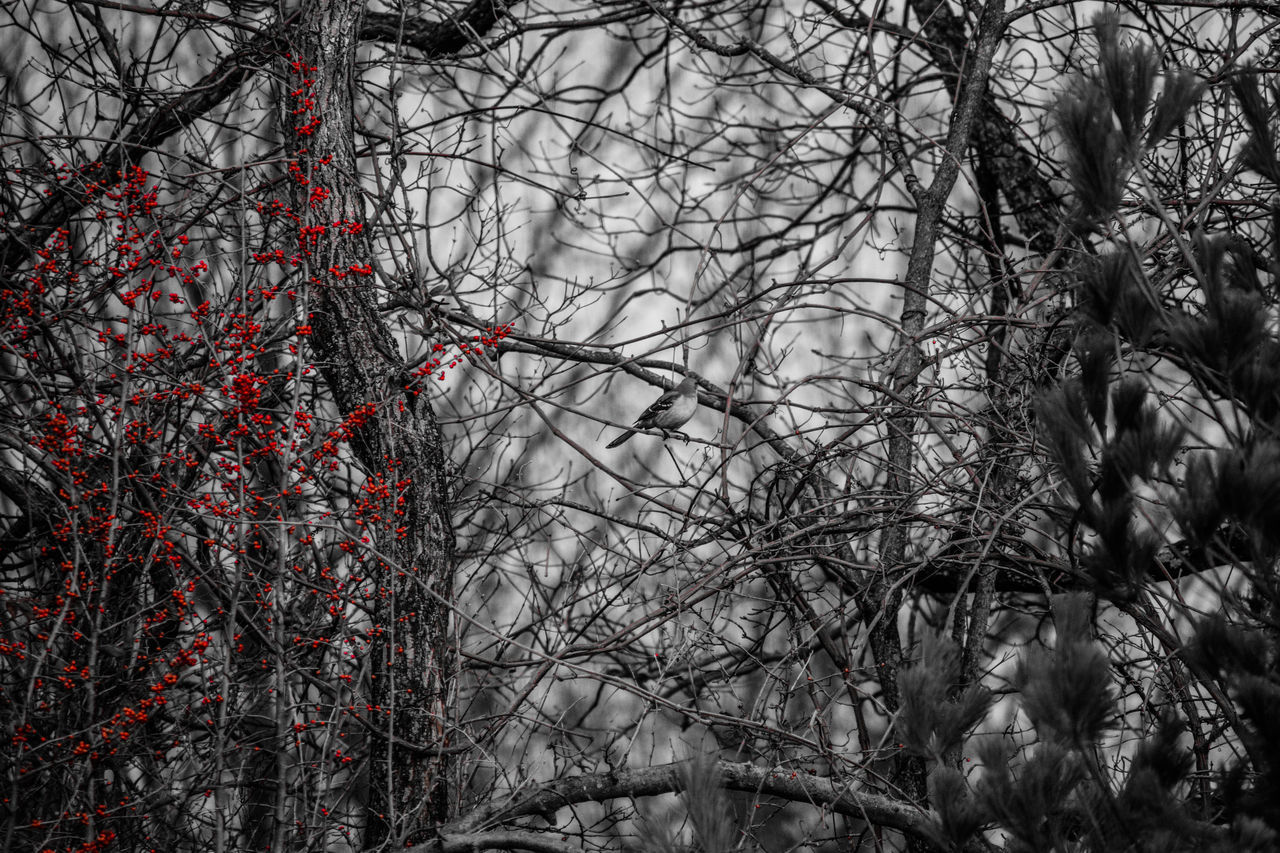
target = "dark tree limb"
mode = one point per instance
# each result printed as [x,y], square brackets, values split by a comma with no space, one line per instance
[799,787]
[434,39]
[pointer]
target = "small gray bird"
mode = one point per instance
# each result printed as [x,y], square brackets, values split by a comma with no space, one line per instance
[668,412]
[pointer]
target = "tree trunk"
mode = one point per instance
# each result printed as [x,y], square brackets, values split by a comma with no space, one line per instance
[408,559]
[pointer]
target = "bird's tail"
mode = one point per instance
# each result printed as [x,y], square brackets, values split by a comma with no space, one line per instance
[621,438]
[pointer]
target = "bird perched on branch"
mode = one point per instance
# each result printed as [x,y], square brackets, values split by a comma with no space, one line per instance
[668,412]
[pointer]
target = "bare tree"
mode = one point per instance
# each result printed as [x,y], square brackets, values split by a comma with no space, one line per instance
[317,319]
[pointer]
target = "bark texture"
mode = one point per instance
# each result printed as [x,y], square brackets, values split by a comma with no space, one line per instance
[409,564]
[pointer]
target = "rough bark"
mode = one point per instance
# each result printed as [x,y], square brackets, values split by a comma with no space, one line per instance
[409,566]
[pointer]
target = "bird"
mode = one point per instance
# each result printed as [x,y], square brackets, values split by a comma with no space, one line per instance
[668,412]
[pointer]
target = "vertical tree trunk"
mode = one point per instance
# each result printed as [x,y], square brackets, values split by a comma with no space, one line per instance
[409,558]
[885,589]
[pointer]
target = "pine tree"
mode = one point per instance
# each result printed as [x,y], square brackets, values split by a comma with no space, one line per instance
[1156,485]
